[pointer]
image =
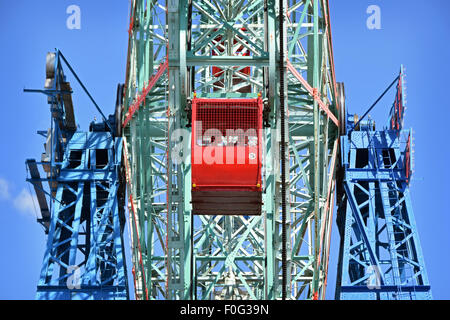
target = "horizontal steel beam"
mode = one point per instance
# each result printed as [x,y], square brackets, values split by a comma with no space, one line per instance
[373,175]
[231,61]
[385,288]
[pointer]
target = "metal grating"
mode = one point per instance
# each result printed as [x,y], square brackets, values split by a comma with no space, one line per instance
[227,123]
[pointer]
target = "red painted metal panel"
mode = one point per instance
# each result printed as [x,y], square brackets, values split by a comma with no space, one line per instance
[218,72]
[408,169]
[398,107]
[226,156]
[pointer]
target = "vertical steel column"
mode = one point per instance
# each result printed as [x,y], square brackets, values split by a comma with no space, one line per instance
[145,126]
[313,139]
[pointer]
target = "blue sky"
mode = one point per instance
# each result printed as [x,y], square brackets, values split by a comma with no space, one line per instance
[366,60]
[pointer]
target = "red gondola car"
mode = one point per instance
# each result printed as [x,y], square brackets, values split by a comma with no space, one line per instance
[226,156]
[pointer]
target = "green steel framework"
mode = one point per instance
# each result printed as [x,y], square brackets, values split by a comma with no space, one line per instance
[173,46]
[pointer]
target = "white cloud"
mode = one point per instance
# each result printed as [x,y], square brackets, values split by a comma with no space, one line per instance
[4,190]
[24,202]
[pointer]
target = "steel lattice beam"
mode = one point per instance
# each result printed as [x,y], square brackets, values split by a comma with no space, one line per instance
[85,237]
[82,208]
[380,254]
[180,256]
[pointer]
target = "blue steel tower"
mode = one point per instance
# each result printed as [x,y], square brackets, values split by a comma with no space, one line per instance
[81,197]
[380,254]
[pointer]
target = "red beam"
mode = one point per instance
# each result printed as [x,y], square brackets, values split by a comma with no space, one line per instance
[127,177]
[328,204]
[328,212]
[141,98]
[313,92]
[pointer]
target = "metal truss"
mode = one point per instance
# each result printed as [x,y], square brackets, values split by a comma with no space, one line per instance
[380,253]
[83,207]
[229,49]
